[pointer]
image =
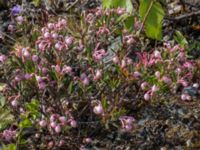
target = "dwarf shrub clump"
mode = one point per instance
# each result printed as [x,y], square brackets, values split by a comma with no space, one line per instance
[77,73]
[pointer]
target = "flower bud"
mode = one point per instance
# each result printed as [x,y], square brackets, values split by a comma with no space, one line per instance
[43,123]
[120,11]
[73,123]
[41,46]
[157,74]
[144,85]
[53,124]
[166,80]
[37,135]
[196,85]
[35,58]
[62,119]
[98,74]
[98,109]
[50,25]
[58,46]
[66,69]
[128,127]
[157,54]
[14,103]
[87,140]
[25,53]
[188,97]
[178,70]
[86,81]
[54,35]
[20,20]
[50,144]
[2,58]
[11,28]
[137,74]
[130,41]
[123,63]
[115,59]
[61,143]
[154,88]
[58,129]
[47,35]
[146,96]
[183,97]
[53,117]
[69,40]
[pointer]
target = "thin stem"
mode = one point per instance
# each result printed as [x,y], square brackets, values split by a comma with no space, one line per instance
[145,17]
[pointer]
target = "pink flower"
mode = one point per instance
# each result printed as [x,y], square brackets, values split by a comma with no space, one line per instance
[58,129]
[25,52]
[50,26]
[146,96]
[99,54]
[66,69]
[86,81]
[127,123]
[120,11]
[50,144]
[43,123]
[87,140]
[115,59]
[59,46]
[89,18]
[196,85]
[63,119]
[102,31]
[136,74]
[8,134]
[123,63]
[53,124]
[166,80]
[73,123]
[54,35]
[98,109]
[2,58]
[69,40]
[183,82]
[184,97]
[157,74]
[157,54]
[42,46]
[188,65]
[144,85]
[14,103]
[19,20]
[35,58]
[61,143]
[47,35]
[53,117]
[154,88]
[11,28]
[98,74]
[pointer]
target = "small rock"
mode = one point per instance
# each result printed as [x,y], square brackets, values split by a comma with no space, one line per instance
[192,91]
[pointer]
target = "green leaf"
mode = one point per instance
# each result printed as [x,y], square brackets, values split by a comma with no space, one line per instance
[33,107]
[6,118]
[25,123]
[2,86]
[152,15]
[118,3]
[36,2]
[2,100]
[9,147]
[180,39]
